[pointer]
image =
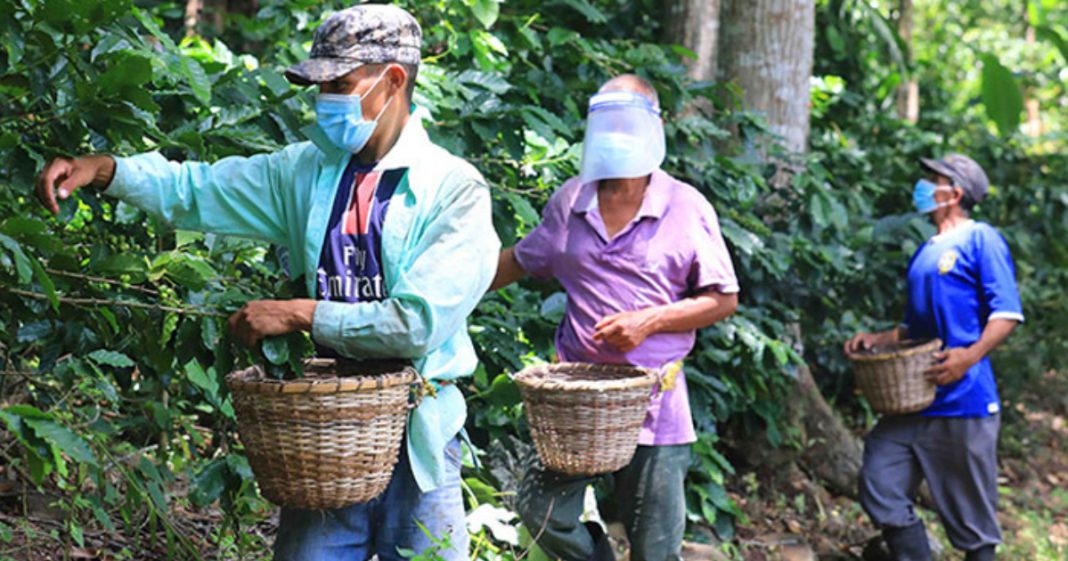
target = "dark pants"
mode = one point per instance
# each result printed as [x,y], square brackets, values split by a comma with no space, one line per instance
[958,458]
[647,496]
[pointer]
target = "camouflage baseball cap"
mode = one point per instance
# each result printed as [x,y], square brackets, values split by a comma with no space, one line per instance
[364,34]
[963,171]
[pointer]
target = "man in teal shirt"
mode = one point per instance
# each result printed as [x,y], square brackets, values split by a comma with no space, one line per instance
[374,215]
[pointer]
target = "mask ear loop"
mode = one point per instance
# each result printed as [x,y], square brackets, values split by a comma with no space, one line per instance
[945,204]
[388,102]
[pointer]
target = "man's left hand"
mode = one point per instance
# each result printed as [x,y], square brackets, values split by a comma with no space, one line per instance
[952,365]
[264,318]
[626,330]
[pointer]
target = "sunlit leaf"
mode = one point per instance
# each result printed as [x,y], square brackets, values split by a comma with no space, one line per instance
[1001,96]
[485,11]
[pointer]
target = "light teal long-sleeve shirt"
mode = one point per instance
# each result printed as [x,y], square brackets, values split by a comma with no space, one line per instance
[439,253]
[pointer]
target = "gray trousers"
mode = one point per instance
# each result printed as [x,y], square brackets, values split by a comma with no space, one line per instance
[958,458]
[647,496]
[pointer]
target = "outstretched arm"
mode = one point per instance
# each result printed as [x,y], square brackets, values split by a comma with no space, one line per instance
[235,196]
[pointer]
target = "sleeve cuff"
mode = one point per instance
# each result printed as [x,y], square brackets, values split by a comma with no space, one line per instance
[134,177]
[521,258]
[326,323]
[722,288]
[1015,316]
[120,180]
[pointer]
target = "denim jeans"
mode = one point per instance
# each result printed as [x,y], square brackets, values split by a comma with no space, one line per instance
[383,526]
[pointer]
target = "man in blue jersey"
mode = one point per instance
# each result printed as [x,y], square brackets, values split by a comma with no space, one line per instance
[962,290]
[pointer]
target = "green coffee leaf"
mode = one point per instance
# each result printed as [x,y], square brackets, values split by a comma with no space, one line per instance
[110,358]
[130,71]
[485,11]
[63,439]
[275,350]
[1001,95]
[198,79]
[22,263]
[46,283]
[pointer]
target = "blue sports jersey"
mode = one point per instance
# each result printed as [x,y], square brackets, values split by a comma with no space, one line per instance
[957,282]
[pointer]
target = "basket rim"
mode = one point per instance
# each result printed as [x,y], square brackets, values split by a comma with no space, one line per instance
[528,377]
[254,380]
[929,346]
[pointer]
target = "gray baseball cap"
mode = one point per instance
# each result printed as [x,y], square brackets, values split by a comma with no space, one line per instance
[364,34]
[964,173]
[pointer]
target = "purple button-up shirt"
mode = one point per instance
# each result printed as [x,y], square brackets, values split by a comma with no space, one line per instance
[671,250]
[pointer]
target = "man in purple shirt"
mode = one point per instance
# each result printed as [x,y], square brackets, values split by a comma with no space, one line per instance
[644,265]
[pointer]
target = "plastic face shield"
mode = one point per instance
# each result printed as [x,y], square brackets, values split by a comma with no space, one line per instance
[624,137]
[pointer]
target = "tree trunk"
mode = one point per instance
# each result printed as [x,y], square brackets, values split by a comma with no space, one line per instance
[694,24]
[830,453]
[247,8]
[908,94]
[192,16]
[218,9]
[1034,113]
[766,47]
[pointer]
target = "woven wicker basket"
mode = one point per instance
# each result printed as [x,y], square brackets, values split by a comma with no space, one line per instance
[327,440]
[891,378]
[585,418]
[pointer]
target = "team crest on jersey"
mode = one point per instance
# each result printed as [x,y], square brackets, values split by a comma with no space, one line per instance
[947,261]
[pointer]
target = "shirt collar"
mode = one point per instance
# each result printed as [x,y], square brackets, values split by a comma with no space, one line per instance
[654,203]
[966,225]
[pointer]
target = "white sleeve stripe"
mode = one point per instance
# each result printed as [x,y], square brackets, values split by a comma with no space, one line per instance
[1007,315]
[721,288]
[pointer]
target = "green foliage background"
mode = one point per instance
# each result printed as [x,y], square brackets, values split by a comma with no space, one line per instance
[117,400]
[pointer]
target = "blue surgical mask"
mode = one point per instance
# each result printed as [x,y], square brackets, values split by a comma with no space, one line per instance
[923,196]
[340,116]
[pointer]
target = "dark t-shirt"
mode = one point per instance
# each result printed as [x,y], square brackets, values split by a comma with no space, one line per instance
[350,266]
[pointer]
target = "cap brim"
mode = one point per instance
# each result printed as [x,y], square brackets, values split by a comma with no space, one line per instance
[319,70]
[941,168]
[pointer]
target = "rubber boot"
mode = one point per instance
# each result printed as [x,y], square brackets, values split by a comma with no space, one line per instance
[985,553]
[908,543]
[602,548]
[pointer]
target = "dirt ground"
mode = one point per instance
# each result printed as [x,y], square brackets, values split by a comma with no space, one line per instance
[788,517]
[792,518]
